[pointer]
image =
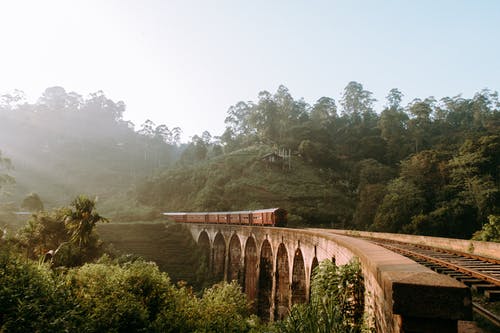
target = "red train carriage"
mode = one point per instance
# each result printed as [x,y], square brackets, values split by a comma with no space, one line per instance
[212,218]
[262,217]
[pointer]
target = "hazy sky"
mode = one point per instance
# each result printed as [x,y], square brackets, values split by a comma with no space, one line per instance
[183,63]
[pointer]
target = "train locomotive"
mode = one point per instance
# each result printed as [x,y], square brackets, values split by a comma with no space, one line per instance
[262,217]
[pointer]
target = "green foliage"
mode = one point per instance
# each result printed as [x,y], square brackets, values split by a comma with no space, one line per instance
[81,221]
[64,236]
[356,102]
[336,303]
[455,220]
[32,203]
[224,308]
[428,168]
[402,201]
[490,232]
[5,165]
[241,180]
[31,298]
[440,194]
[120,298]
[350,164]
[112,296]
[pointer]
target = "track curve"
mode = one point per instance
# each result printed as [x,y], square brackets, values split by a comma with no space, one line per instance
[481,274]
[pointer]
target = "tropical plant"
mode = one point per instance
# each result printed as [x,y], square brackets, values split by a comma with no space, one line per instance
[81,221]
[336,302]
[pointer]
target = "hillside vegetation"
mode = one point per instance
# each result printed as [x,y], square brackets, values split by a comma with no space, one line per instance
[241,180]
[65,144]
[429,167]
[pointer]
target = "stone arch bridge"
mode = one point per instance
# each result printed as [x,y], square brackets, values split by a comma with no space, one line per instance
[274,267]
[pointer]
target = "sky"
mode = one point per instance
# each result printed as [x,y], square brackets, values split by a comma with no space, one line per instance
[184,63]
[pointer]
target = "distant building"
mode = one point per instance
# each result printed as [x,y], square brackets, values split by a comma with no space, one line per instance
[272,158]
[282,158]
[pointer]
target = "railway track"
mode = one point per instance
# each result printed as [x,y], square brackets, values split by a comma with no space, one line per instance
[481,274]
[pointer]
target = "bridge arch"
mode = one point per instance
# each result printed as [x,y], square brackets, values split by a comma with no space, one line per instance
[265,282]
[314,264]
[219,257]
[282,294]
[250,271]
[299,289]
[204,246]
[234,259]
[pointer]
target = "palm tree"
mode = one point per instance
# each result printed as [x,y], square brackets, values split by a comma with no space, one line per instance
[82,220]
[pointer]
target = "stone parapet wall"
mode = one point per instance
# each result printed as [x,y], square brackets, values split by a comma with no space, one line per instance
[487,249]
[405,295]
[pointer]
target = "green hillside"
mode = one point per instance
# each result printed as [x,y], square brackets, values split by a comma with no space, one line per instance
[242,180]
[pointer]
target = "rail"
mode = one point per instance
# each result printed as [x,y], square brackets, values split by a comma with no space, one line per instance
[462,266]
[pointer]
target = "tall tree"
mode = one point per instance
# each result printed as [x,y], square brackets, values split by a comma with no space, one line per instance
[420,123]
[357,103]
[5,166]
[393,127]
[323,112]
[475,173]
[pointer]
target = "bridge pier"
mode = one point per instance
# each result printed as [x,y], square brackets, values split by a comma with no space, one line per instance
[250,272]
[265,282]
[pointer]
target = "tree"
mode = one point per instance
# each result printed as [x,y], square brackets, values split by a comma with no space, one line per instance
[5,165]
[393,124]
[32,203]
[196,150]
[420,123]
[402,201]
[490,231]
[104,108]
[373,178]
[54,99]
[82,220]
[265,118]
[12,100]
[475,175]
[238,118]
[394,99]
[427,171]
[147,129]
[323,112]
[357,103]
[43,232]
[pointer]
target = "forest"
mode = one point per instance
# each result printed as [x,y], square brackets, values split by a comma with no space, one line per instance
[429,167]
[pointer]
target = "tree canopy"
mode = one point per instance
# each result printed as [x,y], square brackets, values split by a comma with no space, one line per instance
[429,167]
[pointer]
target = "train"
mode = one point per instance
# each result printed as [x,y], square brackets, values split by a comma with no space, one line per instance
[275,217]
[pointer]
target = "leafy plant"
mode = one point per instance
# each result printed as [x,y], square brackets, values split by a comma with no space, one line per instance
[490,231]
[336,302]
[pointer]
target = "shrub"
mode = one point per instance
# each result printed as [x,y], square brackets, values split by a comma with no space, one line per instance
[30,299]
[336,305]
